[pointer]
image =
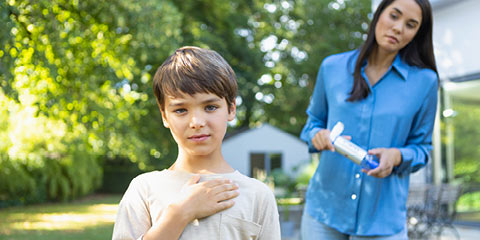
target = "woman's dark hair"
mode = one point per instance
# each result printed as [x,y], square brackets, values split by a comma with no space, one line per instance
[419,52]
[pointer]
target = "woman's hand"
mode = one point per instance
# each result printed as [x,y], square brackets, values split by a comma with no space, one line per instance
[321,140]
[199,200]
[388,157]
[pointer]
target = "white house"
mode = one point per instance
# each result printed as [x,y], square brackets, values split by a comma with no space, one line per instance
[266,148]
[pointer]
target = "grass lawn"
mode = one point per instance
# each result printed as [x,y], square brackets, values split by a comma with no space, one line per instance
[90,218]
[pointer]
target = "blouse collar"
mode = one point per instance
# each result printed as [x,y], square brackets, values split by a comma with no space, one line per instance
[398,64]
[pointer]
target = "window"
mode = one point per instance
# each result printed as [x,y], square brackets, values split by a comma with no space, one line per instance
[264,162]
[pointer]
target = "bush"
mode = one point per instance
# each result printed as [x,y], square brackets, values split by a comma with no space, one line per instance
[43,158]
[15,182]
[60,178]
[306,172]
[118,172]
[284,184]
[469,202]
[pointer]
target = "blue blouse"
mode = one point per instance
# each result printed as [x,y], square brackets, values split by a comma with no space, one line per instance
[399,112]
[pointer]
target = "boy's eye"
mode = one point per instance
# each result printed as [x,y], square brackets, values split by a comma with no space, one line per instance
[210,108]
[180,110]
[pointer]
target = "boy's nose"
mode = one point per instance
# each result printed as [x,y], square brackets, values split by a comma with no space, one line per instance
[197,121]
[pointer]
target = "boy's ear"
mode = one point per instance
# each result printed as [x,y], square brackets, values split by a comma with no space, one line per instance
[233,111]
[164,120]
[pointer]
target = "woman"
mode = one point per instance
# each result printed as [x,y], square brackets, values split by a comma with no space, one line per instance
[385,93]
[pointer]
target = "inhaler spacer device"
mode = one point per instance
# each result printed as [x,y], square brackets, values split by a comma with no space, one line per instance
[350,150]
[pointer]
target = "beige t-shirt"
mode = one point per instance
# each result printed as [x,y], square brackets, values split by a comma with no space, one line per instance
[254,215]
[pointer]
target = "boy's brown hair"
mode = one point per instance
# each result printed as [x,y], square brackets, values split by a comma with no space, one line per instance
[193,70]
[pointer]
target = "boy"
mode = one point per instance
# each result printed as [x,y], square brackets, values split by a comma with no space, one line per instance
[200,196]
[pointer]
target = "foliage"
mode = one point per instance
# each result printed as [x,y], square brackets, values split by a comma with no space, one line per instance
[469,202]
[303,33]
[284,184]
[12,191]
[74,84]
[306,172]
[467,150]
[75,78]
[287,186]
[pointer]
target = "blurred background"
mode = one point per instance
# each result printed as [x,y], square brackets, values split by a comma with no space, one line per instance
[78,119]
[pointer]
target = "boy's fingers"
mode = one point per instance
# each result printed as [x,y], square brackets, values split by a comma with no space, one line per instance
[227,187]
[215,182]
[194,179]
[224,188]
[224,205]
[224,196]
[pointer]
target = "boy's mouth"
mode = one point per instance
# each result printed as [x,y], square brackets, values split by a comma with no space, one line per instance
[199,137]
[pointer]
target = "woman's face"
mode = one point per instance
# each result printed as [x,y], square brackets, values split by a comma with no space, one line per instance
[397,25]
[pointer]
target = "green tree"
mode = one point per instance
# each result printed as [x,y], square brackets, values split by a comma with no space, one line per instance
[75,78]
[296,36]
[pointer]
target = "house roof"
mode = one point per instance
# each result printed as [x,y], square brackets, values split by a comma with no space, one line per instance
[236,132]
[243,131]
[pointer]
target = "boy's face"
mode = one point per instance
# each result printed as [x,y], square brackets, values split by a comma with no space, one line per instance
[198,123]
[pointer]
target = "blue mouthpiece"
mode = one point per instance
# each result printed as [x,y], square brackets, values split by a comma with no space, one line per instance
[369,162]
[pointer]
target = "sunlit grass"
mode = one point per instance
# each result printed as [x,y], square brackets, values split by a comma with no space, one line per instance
[91,218]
